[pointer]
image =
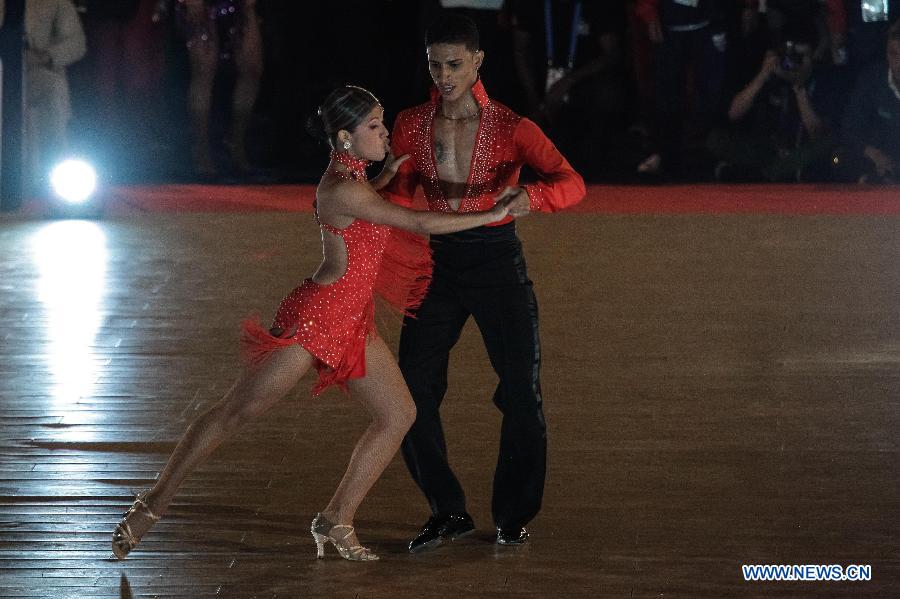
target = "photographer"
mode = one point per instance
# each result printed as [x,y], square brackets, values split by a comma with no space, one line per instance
[871,127]
[777,133]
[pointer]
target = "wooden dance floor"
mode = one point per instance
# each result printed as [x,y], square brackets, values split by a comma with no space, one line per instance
[720,389]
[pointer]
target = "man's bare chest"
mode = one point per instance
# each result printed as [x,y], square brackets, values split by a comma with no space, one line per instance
[454,144]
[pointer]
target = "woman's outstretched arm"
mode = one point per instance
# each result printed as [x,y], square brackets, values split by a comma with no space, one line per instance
[359,200]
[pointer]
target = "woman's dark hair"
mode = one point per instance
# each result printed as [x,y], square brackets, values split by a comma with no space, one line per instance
[453,28]
[344,108]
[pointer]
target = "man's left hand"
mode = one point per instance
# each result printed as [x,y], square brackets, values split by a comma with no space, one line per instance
[519,204]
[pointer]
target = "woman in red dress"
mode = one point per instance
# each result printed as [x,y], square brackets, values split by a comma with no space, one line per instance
[328,323]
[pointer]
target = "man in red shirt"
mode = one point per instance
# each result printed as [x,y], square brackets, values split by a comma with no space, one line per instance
[464,150]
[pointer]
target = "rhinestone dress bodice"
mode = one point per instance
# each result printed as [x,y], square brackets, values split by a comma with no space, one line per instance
[328,318]
[331,321]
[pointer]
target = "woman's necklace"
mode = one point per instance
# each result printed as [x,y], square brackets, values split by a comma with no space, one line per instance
[465,117]
[356,166]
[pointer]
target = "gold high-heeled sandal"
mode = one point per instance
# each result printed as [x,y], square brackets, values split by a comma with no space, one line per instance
[123,539]
[322,530]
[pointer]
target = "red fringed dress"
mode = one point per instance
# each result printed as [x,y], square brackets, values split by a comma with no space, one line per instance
[332,321]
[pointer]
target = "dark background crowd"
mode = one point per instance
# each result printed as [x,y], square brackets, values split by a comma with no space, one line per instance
[630,90]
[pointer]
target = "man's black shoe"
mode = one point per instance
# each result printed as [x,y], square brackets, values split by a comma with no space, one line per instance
[442,528]
[512,536]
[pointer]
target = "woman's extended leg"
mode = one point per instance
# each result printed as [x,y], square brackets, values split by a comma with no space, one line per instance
[384,394]
[254,393]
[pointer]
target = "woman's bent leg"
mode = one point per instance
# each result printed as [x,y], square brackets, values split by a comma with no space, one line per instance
[385,396]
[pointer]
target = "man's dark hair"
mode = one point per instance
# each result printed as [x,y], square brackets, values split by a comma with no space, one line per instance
[453,28]
[799,32]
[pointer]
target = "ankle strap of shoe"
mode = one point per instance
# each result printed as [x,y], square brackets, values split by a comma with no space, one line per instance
[349,531]
[139,500]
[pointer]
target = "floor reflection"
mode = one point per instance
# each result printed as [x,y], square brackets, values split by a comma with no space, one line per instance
[71,259]
[125,588]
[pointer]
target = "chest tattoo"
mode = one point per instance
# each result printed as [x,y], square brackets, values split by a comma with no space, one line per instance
[440,152]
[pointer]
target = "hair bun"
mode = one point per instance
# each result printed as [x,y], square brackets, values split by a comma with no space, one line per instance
[315,126]
[343,109]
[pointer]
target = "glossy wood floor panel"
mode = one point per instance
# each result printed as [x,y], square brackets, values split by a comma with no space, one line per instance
[719,390]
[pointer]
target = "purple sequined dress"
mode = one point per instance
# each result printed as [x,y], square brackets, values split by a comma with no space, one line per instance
[223,20]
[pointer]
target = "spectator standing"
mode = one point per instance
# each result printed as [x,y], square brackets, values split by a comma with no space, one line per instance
[867,24]
[871,126]
[569,58]
[688,35]
[117,88]
[217,31]
[54,39]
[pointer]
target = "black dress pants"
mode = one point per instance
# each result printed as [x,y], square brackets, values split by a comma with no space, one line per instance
[479,273]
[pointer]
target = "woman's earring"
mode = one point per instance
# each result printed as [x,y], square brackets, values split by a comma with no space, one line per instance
[346,145]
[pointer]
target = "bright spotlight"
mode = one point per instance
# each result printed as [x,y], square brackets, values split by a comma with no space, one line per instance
[74,181]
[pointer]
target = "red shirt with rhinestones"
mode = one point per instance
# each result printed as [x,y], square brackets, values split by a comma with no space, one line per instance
[505,141]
